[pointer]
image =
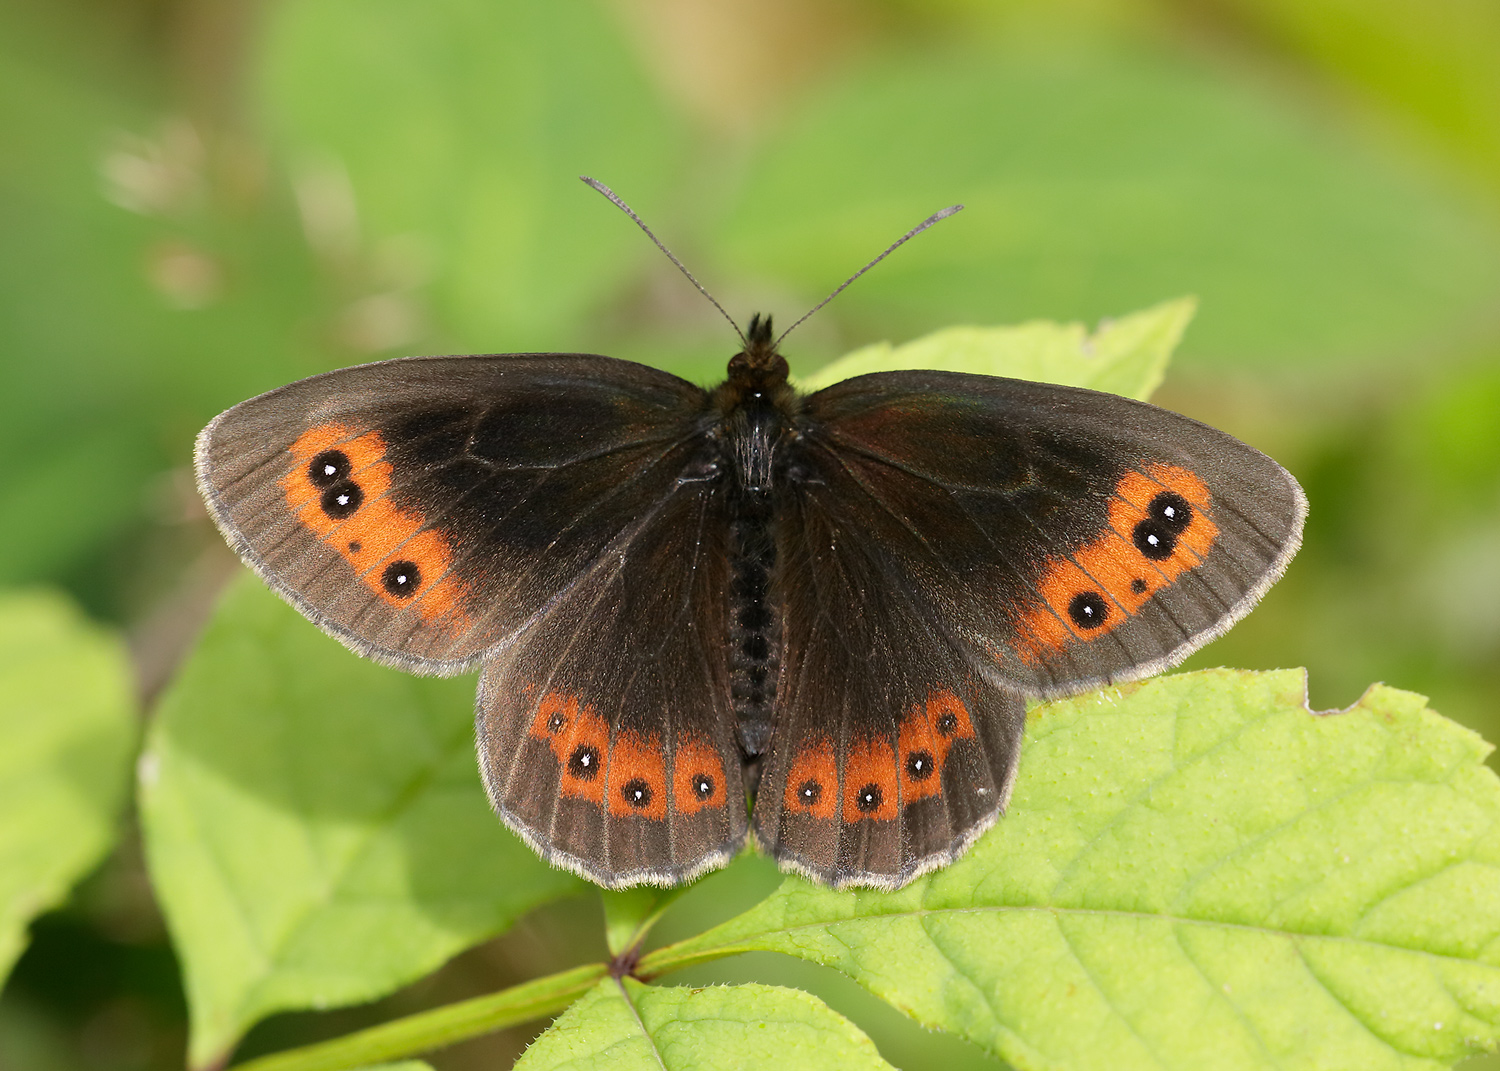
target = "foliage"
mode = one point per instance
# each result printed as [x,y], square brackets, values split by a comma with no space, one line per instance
[624,1024]
[462,194]
[67,719]
[315,829]
[1128,356]
[1195,871]
[1303,249]
[314,825]
[1194,865]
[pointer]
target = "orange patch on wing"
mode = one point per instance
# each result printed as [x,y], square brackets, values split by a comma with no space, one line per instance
[1111,576]
[928,732]
[812,783]
[921,757]
[555,714]
[637,777]
[377,536]
[870,781]
[696,763]
[949,718]
[580,740]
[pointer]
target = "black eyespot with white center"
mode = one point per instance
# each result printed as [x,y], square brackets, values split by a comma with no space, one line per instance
[869,798]
[1088,609]
[1154,540]
[919,765]
[947,724]
[401,579]
[584,762]
[703,786]
[1171,511]
[328,468]
[810,792]
[342,499]
[636,793]
[556,722]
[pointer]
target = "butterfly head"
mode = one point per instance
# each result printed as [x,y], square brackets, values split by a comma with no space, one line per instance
[759,366]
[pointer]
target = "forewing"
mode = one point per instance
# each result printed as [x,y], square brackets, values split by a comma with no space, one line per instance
[1065,538]
[606,732]
[423,510]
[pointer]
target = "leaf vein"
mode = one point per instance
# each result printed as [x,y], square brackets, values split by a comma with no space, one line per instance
[1221,995]
[636,1015]
[1093,980]
[1327,987]
[752,942]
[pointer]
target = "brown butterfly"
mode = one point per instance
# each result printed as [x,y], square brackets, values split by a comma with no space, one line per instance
[702,614]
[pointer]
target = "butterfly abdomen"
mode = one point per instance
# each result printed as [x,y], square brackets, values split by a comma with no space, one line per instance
[755,623]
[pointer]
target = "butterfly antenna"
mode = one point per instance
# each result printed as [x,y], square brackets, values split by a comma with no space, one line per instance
[897,244]
[623,207]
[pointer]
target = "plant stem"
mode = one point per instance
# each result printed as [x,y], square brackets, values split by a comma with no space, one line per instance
[743,933]
[689,953]
[434,1029]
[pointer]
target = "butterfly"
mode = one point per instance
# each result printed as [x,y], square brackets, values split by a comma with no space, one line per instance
[704,616]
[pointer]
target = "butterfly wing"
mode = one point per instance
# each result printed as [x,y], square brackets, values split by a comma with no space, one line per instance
[890,753]
[952,542]
[606,730]
[1071,538]
[554,515]
[422,510]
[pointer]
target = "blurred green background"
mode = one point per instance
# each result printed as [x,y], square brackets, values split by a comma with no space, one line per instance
[200,201]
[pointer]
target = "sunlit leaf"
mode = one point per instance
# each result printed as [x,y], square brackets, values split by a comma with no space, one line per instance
[68,726]
[1127,356]
[1196,871]
[314,824]
[626,1025]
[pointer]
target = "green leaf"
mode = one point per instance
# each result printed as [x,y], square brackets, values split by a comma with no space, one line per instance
[462,126]
[314,825]
[1195,871]
[67,719]
[625,1025]
[1127,356]
[629,914]
[1100,179]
